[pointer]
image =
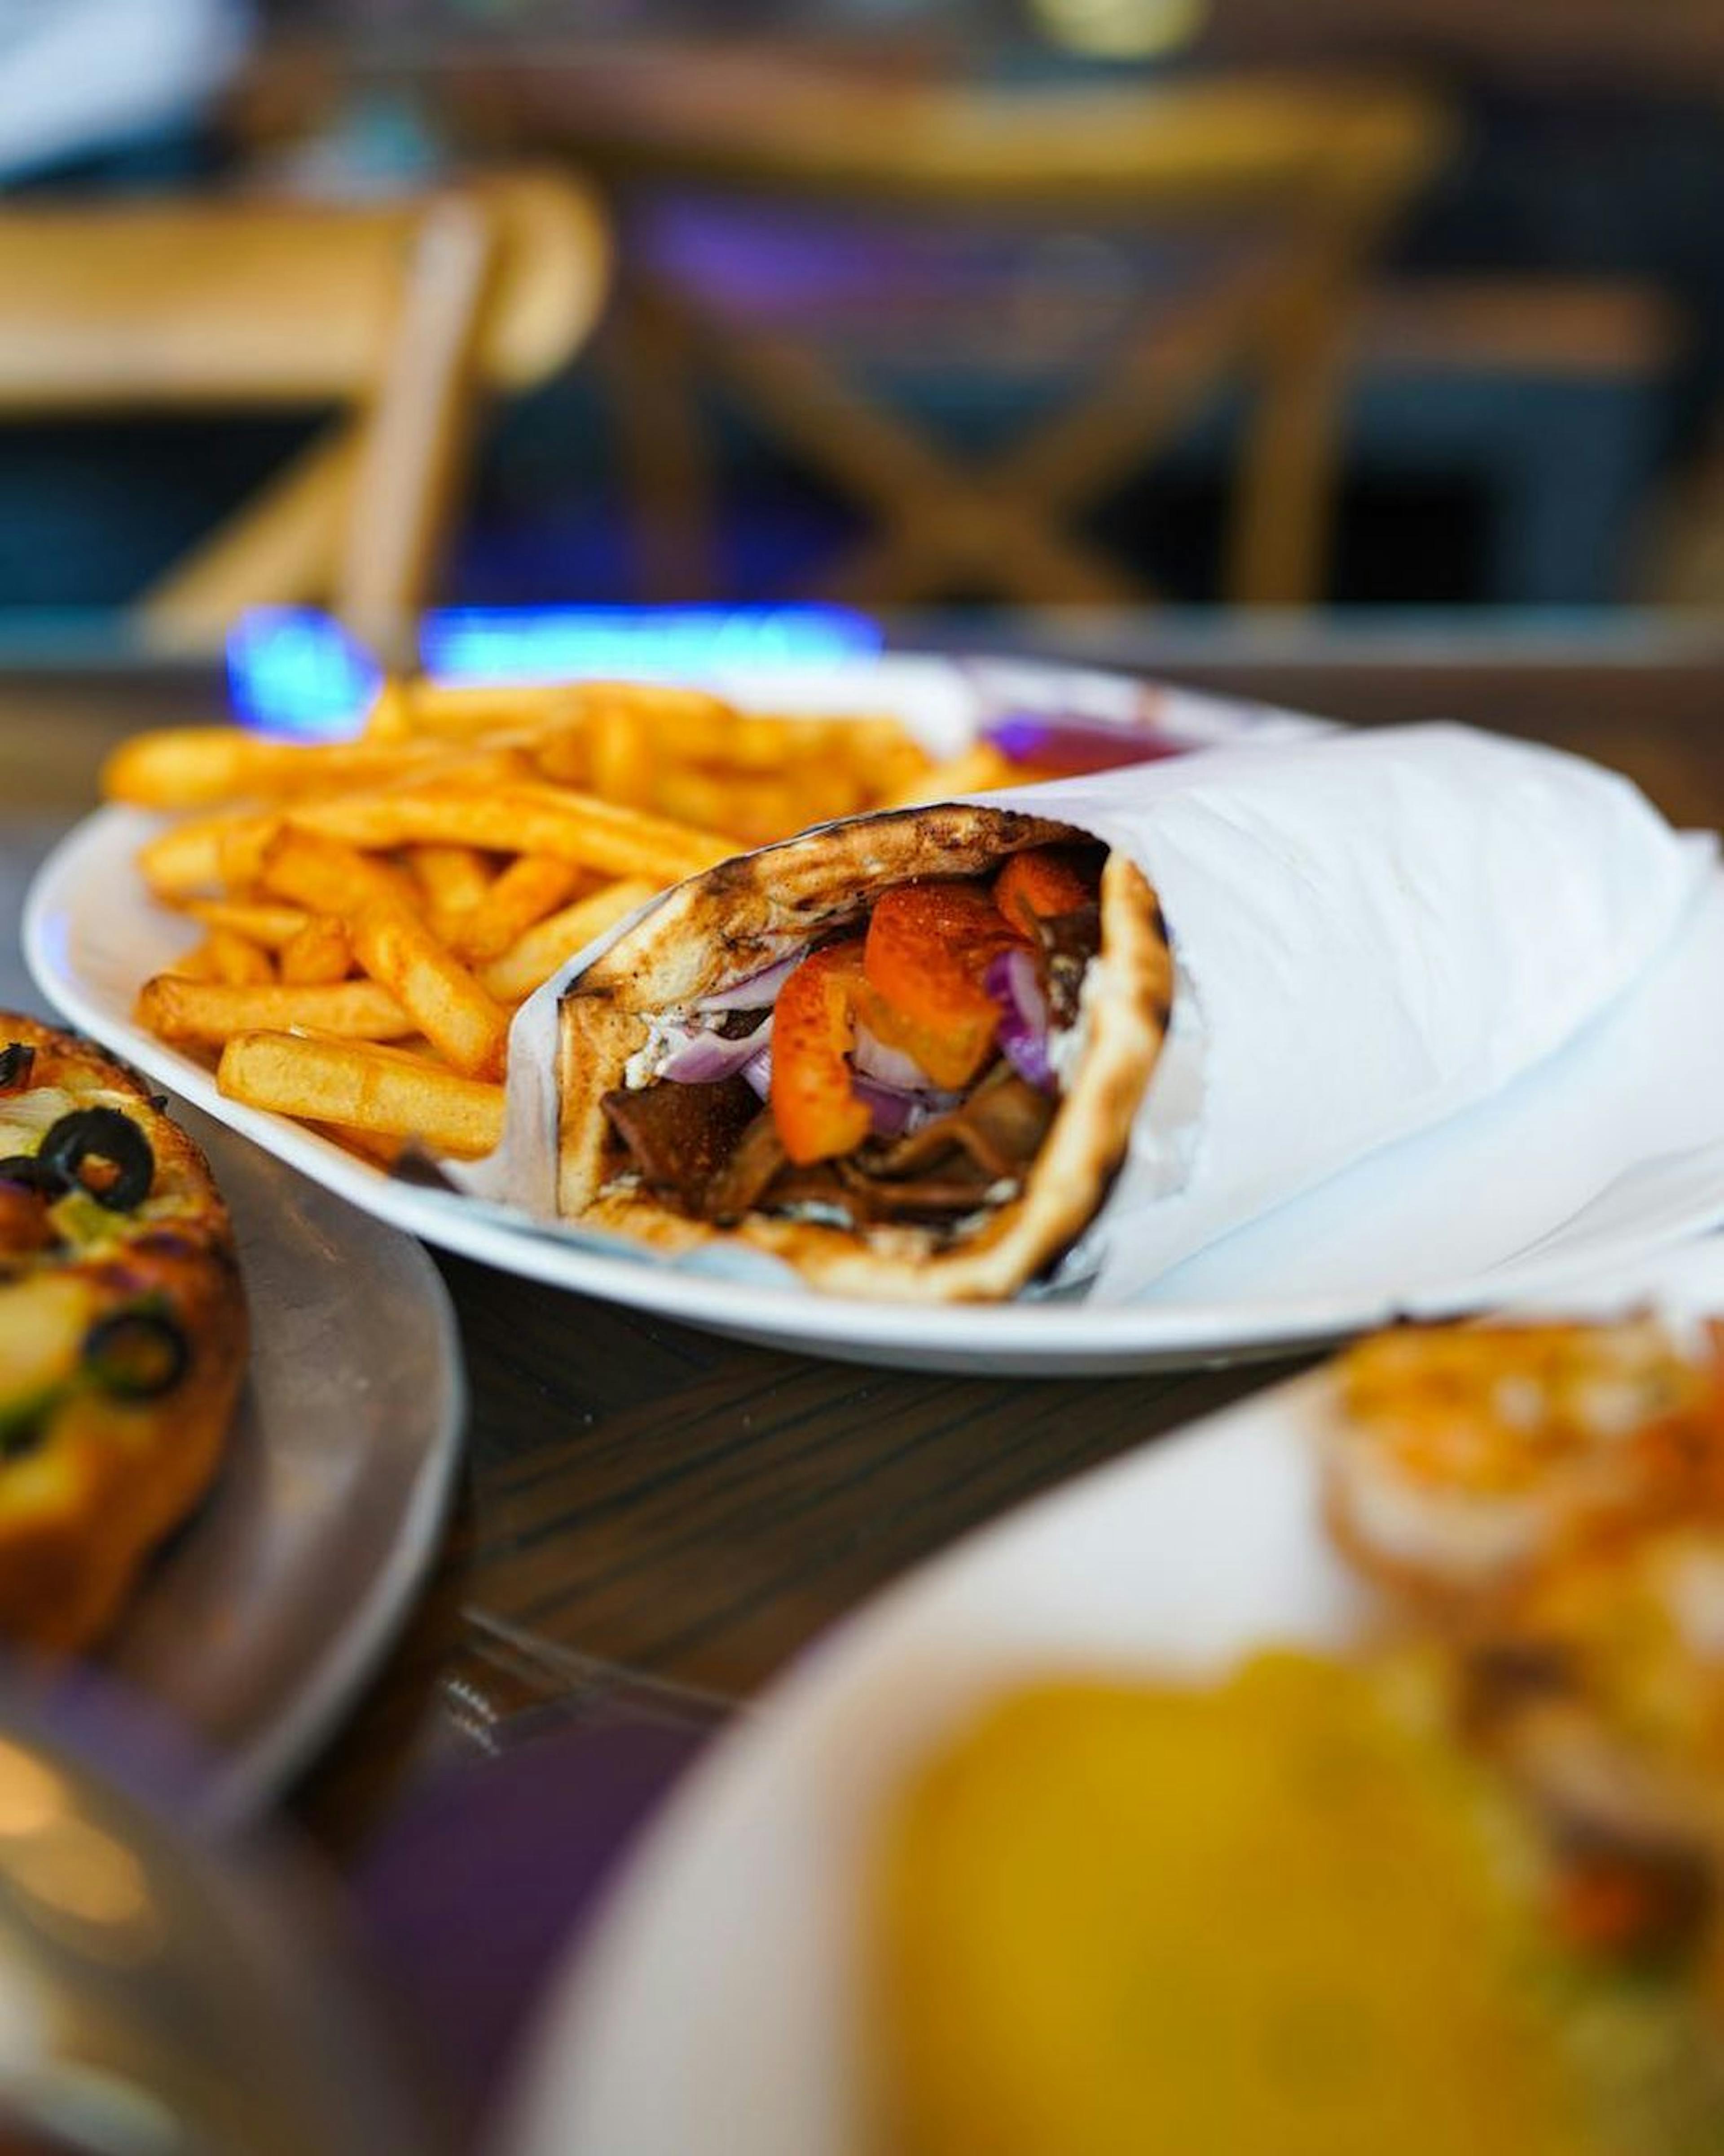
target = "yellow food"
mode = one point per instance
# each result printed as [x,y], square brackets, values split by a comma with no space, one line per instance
[321,950]
[1282,1916]
[362,1087]
[544,946]
[526,890]
[180,1009]
[448,1005]
[577,828]
[452,878]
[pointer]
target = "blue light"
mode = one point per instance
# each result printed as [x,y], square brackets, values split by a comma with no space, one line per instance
[296,671]
[292,671]
[572,644]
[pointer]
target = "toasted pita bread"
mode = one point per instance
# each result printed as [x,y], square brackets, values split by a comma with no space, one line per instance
[742,916]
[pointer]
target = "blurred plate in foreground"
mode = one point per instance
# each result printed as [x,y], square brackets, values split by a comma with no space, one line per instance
[732,1943]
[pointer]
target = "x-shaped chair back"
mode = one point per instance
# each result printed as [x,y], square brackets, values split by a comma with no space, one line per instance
[1313,170]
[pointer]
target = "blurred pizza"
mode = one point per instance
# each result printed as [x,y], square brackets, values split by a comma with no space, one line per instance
[123,1333]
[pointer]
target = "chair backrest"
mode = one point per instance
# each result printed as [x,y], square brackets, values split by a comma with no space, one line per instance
[1316,166]
[398,314]
[1183,145]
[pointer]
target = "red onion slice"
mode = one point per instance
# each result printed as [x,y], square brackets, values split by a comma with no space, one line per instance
[891,1109]
[704,1058]
[888,1067]
[757,993]
[1011,981]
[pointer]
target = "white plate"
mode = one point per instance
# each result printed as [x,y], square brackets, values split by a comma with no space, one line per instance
[713,2006]
[257,1623]
[1612,1147]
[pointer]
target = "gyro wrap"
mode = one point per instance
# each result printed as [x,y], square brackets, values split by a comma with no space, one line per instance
[1370,933]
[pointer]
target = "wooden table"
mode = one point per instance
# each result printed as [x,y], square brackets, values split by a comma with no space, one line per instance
[652,1517]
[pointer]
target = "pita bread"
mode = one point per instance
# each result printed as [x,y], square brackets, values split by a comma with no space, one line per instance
[744,915]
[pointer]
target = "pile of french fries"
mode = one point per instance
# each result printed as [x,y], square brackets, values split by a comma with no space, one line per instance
[373,912]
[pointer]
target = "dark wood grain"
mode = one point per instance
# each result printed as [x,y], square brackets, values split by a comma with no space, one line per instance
[654,1516]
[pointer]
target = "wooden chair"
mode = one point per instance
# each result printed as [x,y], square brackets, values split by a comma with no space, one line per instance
[1318,167]
[398,315]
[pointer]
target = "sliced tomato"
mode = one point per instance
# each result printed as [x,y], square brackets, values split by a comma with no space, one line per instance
[1039,885]
[927,950]
[814,1103]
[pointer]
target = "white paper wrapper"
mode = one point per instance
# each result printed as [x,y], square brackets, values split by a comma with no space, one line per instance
[1372,932]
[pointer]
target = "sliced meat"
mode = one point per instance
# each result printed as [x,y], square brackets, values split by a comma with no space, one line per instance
[1000,1128]
[941,1173]
[1069,940]
[680,1138]
[741,1184]
[948,1192]
[717,1153]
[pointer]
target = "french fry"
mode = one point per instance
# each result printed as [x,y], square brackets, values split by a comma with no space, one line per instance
[759,809]
[190,860]
[499,763]
[465,710]
[412,1049]
[191,1010]
[691,723]
[530,819]
[452,878]
[755,742]
[564,755]
[346,1082]
[205,767]
[448,1005]
[324,877]
[236,960]
[241,848]
[893,767]
[620,756]
[978,770]
[543,948]
[254,919]
[526,890]
[322,952]
[390,718]
[373,1147]
[685,726]
[197,965]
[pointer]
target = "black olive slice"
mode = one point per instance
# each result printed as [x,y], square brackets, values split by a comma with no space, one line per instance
[23,1424]
[136,1354]
[16,1059]
[29,1172]
[103,1134]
